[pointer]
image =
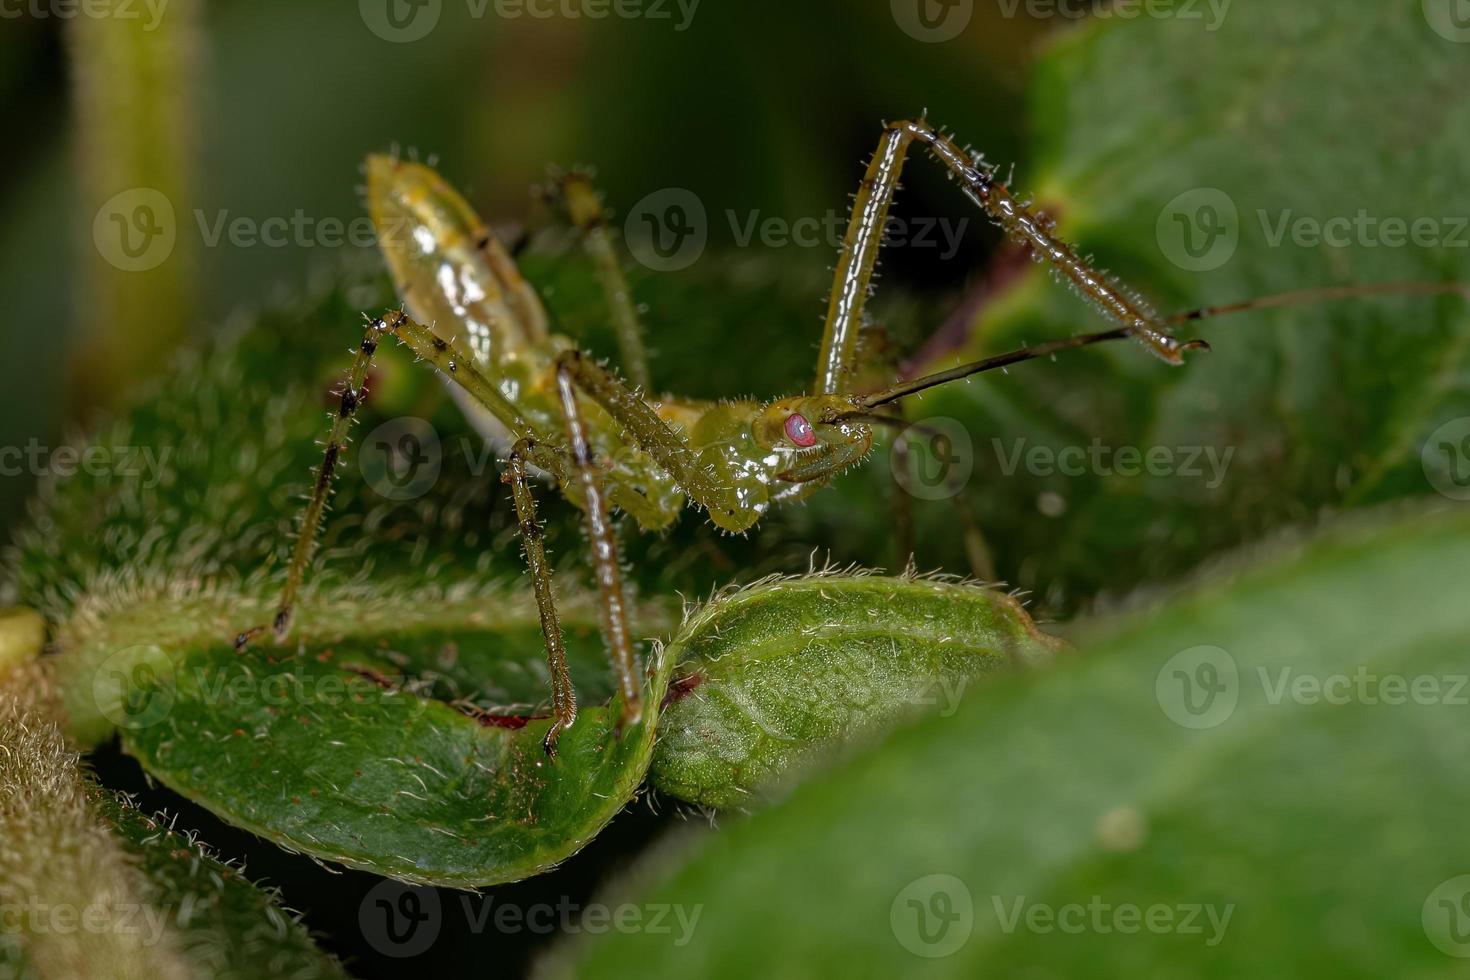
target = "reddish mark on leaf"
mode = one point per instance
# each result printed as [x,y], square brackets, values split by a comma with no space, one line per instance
[506,721]
[382,681]
[680,687]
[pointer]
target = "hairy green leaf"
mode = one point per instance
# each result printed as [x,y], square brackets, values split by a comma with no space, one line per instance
[227,928]
[326,750]
[773,678]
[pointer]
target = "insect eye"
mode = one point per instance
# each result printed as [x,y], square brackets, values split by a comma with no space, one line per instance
[800,431]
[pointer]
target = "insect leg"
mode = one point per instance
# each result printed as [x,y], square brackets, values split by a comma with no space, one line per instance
[658,439]
[587,214]
[853,278]
[612,598]
[563,697]
[426,345]
[351,396]
[455,364]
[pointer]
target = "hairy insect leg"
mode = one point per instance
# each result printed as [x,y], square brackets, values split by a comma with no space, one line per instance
[563,697]
[612,598]
[428,346]
[308,525]
[853,278]
[584,206]
[454,364]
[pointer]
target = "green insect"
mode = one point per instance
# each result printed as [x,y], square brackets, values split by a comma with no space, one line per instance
[609,443]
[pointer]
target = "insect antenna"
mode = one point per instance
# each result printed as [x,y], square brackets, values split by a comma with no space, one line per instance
[1299,297]
[1305,297]
[905,388]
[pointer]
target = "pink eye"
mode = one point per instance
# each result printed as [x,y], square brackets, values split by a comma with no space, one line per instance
[800,431]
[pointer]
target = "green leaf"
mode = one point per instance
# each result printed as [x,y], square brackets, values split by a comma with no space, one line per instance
[1312,790]
[772,679]
[227,928]
[325,751]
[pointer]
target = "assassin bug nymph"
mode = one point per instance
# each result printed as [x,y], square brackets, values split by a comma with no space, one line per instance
[468,311]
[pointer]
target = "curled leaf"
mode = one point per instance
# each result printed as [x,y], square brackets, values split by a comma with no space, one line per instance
[330,751]
[773,677]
